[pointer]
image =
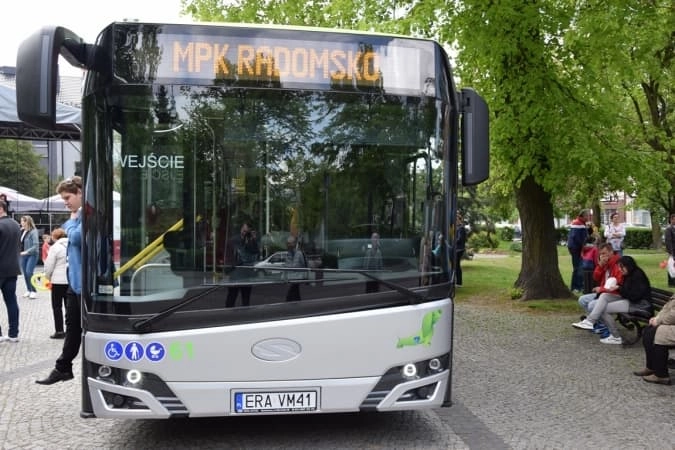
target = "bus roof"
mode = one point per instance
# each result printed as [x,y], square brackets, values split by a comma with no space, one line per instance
[275,27]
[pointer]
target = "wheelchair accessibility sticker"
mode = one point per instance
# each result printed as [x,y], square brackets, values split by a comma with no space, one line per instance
[134,351]
[113,350]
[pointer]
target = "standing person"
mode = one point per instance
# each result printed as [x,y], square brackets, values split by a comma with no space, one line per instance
[55,266]
[373,261]
[46,243]
[70,190]
[589,261]
[615,232]
[441,255]
[670,248]
[657,338]
[8,210]
[460,248]
[30,242]
[242,252]
[294,258]
[10,233]
[576,239]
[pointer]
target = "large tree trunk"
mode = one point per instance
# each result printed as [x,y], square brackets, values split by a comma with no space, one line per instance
[539,272]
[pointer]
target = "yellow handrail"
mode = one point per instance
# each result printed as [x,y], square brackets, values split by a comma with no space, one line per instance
[148,252]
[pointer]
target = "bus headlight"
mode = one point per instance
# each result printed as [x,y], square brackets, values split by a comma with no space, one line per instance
[409,371]
[134,376]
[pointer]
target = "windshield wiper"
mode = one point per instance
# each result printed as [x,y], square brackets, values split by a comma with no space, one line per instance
[144,325]
[414,296]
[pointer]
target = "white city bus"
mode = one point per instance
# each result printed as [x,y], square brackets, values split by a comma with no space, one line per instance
[330,138]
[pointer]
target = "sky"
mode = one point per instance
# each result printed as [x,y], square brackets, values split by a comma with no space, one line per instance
[85,18]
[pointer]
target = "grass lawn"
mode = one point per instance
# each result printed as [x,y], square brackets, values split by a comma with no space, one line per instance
[488,280]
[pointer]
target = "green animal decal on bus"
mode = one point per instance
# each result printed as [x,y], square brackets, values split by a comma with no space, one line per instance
[425,334]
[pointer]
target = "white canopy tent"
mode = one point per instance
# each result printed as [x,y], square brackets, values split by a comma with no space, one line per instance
[55,203]
[19,202]
[68,119]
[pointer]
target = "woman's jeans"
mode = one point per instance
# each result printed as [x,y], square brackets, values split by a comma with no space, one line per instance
[28,263]
[606,305]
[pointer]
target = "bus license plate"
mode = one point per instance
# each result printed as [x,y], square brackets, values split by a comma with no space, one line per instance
[256,402]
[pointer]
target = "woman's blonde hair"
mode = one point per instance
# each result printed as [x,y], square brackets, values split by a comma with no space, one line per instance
[29,222]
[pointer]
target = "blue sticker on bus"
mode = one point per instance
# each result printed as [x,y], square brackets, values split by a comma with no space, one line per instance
[134,351]
[155,352]
[113,350]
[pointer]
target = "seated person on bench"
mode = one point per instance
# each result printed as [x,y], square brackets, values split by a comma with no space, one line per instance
[617,298]
[658,337]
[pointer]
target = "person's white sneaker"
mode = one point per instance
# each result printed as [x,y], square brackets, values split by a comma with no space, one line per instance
[612,340]
[26,294]
[3,338]
[14,340]
[32,295]
[583,325]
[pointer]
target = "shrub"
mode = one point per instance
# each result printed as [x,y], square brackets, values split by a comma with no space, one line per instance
[506,233]
[562,233]
[638,238]
[517,246]
[482,240]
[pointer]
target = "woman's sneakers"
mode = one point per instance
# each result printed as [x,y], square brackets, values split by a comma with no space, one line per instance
[612,340]
[26,294]
[32,295]
[583,325]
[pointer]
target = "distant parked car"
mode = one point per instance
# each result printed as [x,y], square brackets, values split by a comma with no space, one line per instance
[267,265]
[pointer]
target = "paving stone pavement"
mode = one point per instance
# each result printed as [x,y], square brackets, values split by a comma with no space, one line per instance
[520,381]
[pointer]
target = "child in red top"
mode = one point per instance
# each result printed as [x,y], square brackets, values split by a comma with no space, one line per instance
[589,254]
[46,243]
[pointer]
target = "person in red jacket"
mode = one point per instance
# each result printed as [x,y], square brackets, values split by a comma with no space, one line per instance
[608,301]
[607,267]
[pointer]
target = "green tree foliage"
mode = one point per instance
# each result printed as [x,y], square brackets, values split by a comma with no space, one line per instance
[628,47]
[20,169]
[562,135]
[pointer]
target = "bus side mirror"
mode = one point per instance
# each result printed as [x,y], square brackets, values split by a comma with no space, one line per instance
[37,73]
[475,138]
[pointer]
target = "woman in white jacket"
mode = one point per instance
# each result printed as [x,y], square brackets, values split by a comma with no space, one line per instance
[55,267]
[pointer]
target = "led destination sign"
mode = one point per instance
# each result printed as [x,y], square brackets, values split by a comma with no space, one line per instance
[293,62]
[275,62]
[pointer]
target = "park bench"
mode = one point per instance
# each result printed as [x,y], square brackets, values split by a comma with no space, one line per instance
[636,320]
